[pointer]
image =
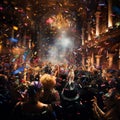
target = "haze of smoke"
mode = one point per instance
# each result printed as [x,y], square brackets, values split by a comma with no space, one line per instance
[60,49]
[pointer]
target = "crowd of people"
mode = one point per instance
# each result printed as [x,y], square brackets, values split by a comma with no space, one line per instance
[49,91]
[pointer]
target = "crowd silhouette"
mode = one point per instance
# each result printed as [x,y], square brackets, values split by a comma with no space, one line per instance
[58,92]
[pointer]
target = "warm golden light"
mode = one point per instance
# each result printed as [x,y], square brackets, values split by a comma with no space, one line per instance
[0,48]
[60,22]
[17,51]
[15,28]
[106,30]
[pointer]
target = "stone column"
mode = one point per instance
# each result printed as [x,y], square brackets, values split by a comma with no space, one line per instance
[83,60]
[24,39]
[119,64]
[97,14]
[98,60]
[30,44]
[119,60]
[88,63]
[1,47]
[92,59]
[89,36]
[83,36]
[110,60]
[110,23]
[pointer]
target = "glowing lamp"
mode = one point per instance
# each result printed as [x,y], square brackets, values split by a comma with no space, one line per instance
[15,28]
